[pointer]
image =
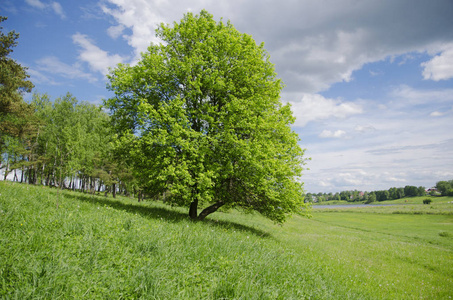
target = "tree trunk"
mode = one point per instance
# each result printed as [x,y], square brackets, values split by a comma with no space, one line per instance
[47,178]
[114,190]
[193,209]
[210,209]
[6,171]
[92,186]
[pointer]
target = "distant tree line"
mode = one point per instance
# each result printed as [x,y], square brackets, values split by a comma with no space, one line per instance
[443,188]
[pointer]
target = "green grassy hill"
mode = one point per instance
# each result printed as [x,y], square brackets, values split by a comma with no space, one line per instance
[65,245]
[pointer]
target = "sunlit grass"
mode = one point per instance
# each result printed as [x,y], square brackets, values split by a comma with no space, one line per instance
[64,245]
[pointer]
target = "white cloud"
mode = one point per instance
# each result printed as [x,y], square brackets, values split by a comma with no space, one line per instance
[115,31]
[406,95]
[98,59]
[58,9]
[376,73]
[36,3]
[39,77]
[440,67]
[314,107]
[54,6]
[330,134]
[436,114]
[141,17]
[53,65]
[364,128]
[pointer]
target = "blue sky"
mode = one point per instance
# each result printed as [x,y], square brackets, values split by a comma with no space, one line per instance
[370,82]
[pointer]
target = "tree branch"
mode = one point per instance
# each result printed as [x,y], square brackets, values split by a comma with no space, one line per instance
[210,209]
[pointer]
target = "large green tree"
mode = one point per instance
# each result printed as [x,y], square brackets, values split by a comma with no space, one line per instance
[201,121]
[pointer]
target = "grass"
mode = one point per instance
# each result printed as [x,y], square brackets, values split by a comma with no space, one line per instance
[74,246]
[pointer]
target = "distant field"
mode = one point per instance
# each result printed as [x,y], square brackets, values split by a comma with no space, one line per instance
[74,246]
[413,205]
[407,200]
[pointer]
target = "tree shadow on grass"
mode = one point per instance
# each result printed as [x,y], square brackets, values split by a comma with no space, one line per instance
[169,214]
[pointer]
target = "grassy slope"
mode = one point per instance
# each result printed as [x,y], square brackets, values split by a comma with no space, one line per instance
[72,245]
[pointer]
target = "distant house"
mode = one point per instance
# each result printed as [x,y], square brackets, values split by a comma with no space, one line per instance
[433,189]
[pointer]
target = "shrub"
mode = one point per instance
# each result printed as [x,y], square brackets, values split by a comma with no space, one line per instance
[444,234]
[427,201]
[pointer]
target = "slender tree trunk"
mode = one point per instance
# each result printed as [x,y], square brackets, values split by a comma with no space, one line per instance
[210,209]
[6,171]
[93,185]
[60,180]
[44,165]
[31,175]
[114,190]
[48,179]
[53,179]
[35,175]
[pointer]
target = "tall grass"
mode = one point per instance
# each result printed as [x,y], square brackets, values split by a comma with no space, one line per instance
[65,245]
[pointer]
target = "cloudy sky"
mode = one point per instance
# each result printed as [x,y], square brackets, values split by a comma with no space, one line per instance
[370,82]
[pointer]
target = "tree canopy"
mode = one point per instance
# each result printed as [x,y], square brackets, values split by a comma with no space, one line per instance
[201,121]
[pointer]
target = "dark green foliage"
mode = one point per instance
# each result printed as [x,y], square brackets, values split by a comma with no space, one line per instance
[444,234]
[13,77]
[16,116]
[427,201]
[371,198]
[382,195]
[412,191]
[445,187]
